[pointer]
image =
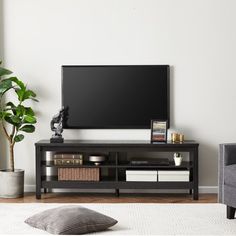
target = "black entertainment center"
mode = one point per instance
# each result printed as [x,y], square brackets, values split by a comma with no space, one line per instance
[116,165]
[115,97]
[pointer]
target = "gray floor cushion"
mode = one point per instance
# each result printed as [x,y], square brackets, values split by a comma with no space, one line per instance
[70,220]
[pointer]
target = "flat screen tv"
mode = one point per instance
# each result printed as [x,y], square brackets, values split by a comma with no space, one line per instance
[115,97]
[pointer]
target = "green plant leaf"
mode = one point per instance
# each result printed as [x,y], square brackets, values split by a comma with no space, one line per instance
[5,113]
[20,94]
[5,85]
[29,111]
[25,94]
[34,99]
[12,119]
[18,82]
[29,94]
[19,137]
[15,119]
[20,110]
[12,107]
[10,104]
[28,128]
[29,119]
[4,71]
[8,119]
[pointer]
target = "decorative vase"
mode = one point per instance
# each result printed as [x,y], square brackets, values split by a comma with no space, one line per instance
[177,159]
[11,183]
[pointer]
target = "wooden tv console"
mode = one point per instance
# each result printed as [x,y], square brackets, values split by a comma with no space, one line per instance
[115,166]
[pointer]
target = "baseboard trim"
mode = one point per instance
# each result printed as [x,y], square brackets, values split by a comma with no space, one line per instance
[202,189]
[208,189]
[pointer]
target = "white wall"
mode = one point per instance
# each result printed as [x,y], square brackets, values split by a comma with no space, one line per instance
[3,147]
[196,37]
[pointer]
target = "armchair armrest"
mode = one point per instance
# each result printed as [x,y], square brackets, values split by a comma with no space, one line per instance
[227,156]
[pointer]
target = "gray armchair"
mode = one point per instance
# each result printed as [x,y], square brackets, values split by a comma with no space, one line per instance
[227,177]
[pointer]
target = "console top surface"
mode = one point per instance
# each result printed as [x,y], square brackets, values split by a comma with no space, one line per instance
[74,142]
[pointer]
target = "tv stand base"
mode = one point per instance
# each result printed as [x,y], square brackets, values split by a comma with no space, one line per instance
[117,165]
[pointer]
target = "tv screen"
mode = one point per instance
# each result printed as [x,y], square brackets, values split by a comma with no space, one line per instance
[115,97]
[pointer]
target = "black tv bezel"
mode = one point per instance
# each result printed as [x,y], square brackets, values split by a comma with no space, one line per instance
[123,127]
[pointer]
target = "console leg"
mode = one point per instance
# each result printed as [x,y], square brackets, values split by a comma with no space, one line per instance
[117,193]
[230,212]
[45,190]
[38,172]
[190,191]
[195,194]
[38,195]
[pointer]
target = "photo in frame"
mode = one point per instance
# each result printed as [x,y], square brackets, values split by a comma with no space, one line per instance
[158,130]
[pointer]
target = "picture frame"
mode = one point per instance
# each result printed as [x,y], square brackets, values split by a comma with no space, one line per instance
[159,131]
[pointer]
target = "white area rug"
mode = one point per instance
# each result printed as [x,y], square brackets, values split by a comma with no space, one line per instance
[133,219]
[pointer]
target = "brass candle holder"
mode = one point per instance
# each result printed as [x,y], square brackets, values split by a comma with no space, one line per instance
[177,138]
[181,138]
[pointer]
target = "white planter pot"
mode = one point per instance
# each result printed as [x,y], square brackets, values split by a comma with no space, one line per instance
[178,160]
[11,183]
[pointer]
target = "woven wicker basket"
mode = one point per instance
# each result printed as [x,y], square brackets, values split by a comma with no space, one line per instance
[79,174]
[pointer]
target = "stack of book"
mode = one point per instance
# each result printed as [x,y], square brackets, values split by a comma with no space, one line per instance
[68,159]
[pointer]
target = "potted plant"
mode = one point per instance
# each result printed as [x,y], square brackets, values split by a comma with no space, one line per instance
[15,120]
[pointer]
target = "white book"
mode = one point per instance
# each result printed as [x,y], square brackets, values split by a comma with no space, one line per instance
[173,176]
[141,175]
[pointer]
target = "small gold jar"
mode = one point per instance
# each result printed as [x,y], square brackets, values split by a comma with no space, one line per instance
[175,137]
[181,138]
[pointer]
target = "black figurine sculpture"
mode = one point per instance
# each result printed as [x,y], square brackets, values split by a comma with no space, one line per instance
[57,127]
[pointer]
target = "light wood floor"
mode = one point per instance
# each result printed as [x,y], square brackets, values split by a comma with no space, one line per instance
[110,198]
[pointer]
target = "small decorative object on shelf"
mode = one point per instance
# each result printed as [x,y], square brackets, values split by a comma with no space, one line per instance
[181,138]
[174,137]
[68,159]
[158,131]
[177,138]
[97,159]
[178,158]
[57,127]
